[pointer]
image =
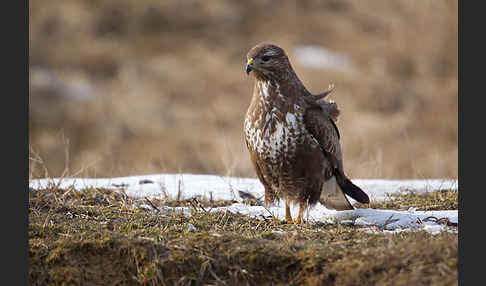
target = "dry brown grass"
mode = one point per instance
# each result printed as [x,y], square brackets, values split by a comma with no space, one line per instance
[169,90]
[103,237]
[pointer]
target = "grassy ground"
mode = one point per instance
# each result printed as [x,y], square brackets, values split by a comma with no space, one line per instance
[102,237]
[430,201]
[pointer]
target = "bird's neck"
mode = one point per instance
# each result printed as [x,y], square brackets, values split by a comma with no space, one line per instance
[269,95]
[279,92]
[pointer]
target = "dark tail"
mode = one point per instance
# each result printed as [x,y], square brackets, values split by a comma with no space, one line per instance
[351,189]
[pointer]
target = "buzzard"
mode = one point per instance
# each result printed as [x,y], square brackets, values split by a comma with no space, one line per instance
[292,138]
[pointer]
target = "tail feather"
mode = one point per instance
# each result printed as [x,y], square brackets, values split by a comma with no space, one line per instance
[332,196]
[351,189]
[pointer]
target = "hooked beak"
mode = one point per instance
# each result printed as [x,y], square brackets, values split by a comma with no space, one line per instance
[249,67]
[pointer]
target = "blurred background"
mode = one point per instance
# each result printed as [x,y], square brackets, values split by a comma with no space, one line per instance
[129,87]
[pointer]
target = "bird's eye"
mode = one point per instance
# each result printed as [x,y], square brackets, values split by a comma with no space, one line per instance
[265,58]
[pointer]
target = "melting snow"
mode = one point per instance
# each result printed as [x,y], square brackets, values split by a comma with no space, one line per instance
[186,186]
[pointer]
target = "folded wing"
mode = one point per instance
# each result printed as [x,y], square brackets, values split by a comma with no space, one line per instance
[325,131]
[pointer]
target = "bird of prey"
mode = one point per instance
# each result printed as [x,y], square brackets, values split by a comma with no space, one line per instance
[292,138]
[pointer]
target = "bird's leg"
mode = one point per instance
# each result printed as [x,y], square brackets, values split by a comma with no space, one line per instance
[288,216]
[298,219]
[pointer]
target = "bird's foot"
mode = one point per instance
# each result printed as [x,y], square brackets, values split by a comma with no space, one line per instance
[298,221]
[288,220]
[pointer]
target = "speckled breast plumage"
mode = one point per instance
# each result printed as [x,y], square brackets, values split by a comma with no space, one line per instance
[276,134]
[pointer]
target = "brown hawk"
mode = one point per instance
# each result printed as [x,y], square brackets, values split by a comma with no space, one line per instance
[292,138]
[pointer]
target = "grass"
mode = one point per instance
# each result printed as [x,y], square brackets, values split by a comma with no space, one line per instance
[428,201]
[165,90]
[99,237]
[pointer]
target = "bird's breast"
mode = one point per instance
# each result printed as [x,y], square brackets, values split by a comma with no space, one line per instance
[274,135]
[274,124]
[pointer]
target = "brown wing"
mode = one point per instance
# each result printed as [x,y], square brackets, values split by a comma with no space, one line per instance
[323,128]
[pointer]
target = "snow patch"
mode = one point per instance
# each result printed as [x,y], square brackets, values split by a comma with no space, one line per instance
[185,186]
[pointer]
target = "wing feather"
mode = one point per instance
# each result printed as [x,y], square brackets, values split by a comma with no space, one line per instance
[325,131]
[323,128]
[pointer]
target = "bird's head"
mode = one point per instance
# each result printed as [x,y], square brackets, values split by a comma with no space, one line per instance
[267,61]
